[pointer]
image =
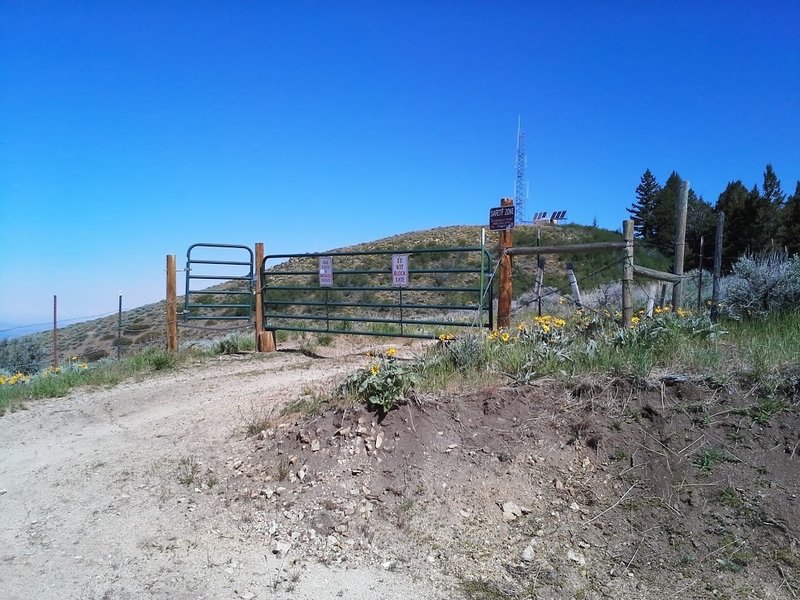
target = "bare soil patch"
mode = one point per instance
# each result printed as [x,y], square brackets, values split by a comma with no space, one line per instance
[601,491]
[153,489]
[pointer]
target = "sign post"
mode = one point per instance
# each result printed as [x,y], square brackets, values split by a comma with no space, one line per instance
[502,218]
[400,270]
[325,271]
[505,216]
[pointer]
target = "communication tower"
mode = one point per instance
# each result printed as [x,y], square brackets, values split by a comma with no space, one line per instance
[520,184]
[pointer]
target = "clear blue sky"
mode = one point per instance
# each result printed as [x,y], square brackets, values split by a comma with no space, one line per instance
[130,130]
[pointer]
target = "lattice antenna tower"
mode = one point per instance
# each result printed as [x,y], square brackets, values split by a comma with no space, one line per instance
[520,183]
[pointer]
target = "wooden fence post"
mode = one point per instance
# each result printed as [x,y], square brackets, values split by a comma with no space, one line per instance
[651,299]
[680,244]
[717,267]
[265,340]
[504,272]
[627,273]
[573,283]
[537,290]
[172,304]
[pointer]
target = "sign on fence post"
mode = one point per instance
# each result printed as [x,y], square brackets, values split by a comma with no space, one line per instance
[325,271]
[501,218]
[400,270]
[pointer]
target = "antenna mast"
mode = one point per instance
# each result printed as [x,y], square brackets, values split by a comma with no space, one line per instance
[520,184]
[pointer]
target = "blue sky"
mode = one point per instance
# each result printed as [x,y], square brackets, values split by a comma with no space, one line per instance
[129,131]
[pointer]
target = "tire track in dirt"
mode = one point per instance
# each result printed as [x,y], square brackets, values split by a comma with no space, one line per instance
[92,507]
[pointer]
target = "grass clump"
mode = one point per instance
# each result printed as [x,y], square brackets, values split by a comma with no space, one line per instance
[56,382]
[235,343]
[709,457]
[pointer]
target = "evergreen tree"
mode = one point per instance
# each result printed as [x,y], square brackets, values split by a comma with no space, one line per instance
[767,211]
[664,203]
[735,202]
[701,222]
[771,190]
[642,209]
[790,222]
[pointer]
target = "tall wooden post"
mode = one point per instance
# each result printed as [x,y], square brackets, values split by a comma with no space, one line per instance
[627,273]
[504,273]
[265,340]
[717,267]
[680,244]
[172,305]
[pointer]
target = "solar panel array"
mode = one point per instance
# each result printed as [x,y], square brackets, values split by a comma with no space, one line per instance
[539,216]
[558,215]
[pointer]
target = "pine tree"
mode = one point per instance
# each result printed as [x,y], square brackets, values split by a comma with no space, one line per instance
[642,209]
[771,190]
[664,203]
[735,202]
[767,211]
[790,222]
[700,223]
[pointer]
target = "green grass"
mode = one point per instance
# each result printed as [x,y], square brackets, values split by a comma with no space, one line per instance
[48,384]
[761,352]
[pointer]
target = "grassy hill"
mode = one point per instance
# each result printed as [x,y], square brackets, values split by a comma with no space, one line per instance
[146,325]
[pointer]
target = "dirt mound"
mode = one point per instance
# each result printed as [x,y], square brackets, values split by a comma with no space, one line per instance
[592,492]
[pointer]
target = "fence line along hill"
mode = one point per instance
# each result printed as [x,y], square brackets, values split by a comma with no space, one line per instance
[145,326]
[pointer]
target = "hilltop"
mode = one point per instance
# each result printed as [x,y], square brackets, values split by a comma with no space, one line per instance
[145,326]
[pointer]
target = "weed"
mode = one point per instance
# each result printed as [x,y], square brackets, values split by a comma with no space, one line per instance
[256,421]
[236,343]
[618,455]
[312,401]
[283,469]
[188,470]
[324,339]
[731,498]
[383,385]
[709,457]
[765,408]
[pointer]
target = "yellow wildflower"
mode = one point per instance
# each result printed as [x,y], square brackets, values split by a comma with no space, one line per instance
[375,369]
[391,352]
[635,320]
[504,337]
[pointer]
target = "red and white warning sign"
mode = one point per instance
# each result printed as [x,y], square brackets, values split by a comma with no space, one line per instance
[325,271]
[400,270]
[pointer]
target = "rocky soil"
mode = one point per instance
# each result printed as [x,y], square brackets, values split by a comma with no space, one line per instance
[194,485]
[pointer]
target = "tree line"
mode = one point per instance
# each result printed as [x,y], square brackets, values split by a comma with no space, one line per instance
[756,220]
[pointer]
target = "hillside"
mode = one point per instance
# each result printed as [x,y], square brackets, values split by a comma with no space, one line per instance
[146,325]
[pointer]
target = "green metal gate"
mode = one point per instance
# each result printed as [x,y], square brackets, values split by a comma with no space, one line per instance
[417,293]
[231,298]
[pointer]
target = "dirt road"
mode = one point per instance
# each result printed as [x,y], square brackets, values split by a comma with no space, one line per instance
[98,496]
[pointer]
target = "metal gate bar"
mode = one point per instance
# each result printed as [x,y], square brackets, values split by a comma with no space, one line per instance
[196,311]
[278,296]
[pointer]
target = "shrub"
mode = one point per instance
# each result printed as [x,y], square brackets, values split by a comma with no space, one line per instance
[760,284]
[22,355]
[236,342]
[383,385]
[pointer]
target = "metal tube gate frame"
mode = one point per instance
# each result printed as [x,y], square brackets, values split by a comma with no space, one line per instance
[481,306]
